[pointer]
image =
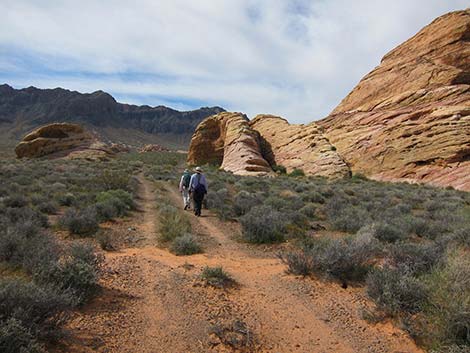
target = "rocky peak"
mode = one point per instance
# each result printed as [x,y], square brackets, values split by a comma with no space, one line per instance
[409,119]
[436,56]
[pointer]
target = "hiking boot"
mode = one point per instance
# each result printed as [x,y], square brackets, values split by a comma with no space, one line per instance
[186,207]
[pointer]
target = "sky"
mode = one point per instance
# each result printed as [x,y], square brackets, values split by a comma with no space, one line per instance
[293,58]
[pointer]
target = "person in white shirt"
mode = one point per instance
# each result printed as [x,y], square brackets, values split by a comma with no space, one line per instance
[184,188]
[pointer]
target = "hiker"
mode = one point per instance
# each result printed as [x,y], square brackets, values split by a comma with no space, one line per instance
[184,188]
[198,189]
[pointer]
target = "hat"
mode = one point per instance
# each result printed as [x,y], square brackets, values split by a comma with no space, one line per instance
[186,170]
[198,169]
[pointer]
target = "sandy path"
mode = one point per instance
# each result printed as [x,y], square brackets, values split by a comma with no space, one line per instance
[154,302]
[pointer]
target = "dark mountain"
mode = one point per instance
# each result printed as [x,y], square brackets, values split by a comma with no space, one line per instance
[24,109]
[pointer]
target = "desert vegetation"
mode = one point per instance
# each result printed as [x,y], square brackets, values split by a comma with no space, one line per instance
[408,245]
[50,216]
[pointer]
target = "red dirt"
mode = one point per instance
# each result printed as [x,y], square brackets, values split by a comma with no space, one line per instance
[153,301]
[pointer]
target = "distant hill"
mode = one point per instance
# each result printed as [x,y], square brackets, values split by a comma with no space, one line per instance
[22,110]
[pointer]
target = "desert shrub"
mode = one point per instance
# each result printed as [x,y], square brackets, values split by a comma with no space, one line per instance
[309,210]
[448,315]
[113,179]
[185,245]
[79,273]
[349,219]
[263,224]
[80,222]
[122,196]
[344,259]
[173,224]
[297,173]
[395,291]
[390,232]
[416,258]
[245,201]
[67,199]
[298,262]
[48,207]
[38,309]
[15,201]
[25,215]
[279,169]
[462,236]
[15,338]
[219,201]
[216,277]
[313,196]
[105,241]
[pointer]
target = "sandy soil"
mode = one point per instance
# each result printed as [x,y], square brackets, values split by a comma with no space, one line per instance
[153,301]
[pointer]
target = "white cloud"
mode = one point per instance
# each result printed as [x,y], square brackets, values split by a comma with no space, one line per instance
[295,58]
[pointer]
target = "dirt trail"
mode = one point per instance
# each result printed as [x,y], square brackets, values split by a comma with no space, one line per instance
[154,302]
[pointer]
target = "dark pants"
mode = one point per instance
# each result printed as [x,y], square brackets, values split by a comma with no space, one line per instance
[198,198]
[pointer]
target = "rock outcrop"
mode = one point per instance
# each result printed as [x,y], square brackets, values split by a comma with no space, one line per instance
[227,140]
[153,148]
[64,140]
[298,147]
[409,119]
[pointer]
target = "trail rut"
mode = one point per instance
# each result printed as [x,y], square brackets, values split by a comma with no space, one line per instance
[154,302]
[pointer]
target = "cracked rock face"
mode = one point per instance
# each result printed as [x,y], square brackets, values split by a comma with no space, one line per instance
[409,119]
[63,140]
[227,140]
[299,147]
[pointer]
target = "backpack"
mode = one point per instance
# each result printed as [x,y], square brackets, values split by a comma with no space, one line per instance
[186,180]
[200,189]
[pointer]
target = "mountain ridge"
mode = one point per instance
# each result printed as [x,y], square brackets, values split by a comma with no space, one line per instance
[22,110]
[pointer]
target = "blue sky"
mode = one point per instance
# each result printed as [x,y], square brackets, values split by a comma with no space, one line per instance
[294,58]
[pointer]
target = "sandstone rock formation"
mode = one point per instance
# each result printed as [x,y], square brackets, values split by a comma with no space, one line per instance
[226,139]
[298,147]
[153,148]
[409,119]
[64,140]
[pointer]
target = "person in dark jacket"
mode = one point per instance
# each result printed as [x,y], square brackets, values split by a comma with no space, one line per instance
[198,189]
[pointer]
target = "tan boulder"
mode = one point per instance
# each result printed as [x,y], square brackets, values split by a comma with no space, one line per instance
[299,147]
[227,140]
[409,119]
[53,138]
[60,140]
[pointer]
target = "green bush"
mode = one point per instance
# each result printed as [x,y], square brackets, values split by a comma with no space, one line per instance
[79,273]
[448,314]
[309,210]
[396,292]
[299,263]
[80,222]
[280,169]
[262,224]
[15,338]
[344,259]
[38,309]
[67,199]
[185,245]
[173,223]
[216,277]
[15,201]
[416,258]
[244,201]
[124,198]
[297,173]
